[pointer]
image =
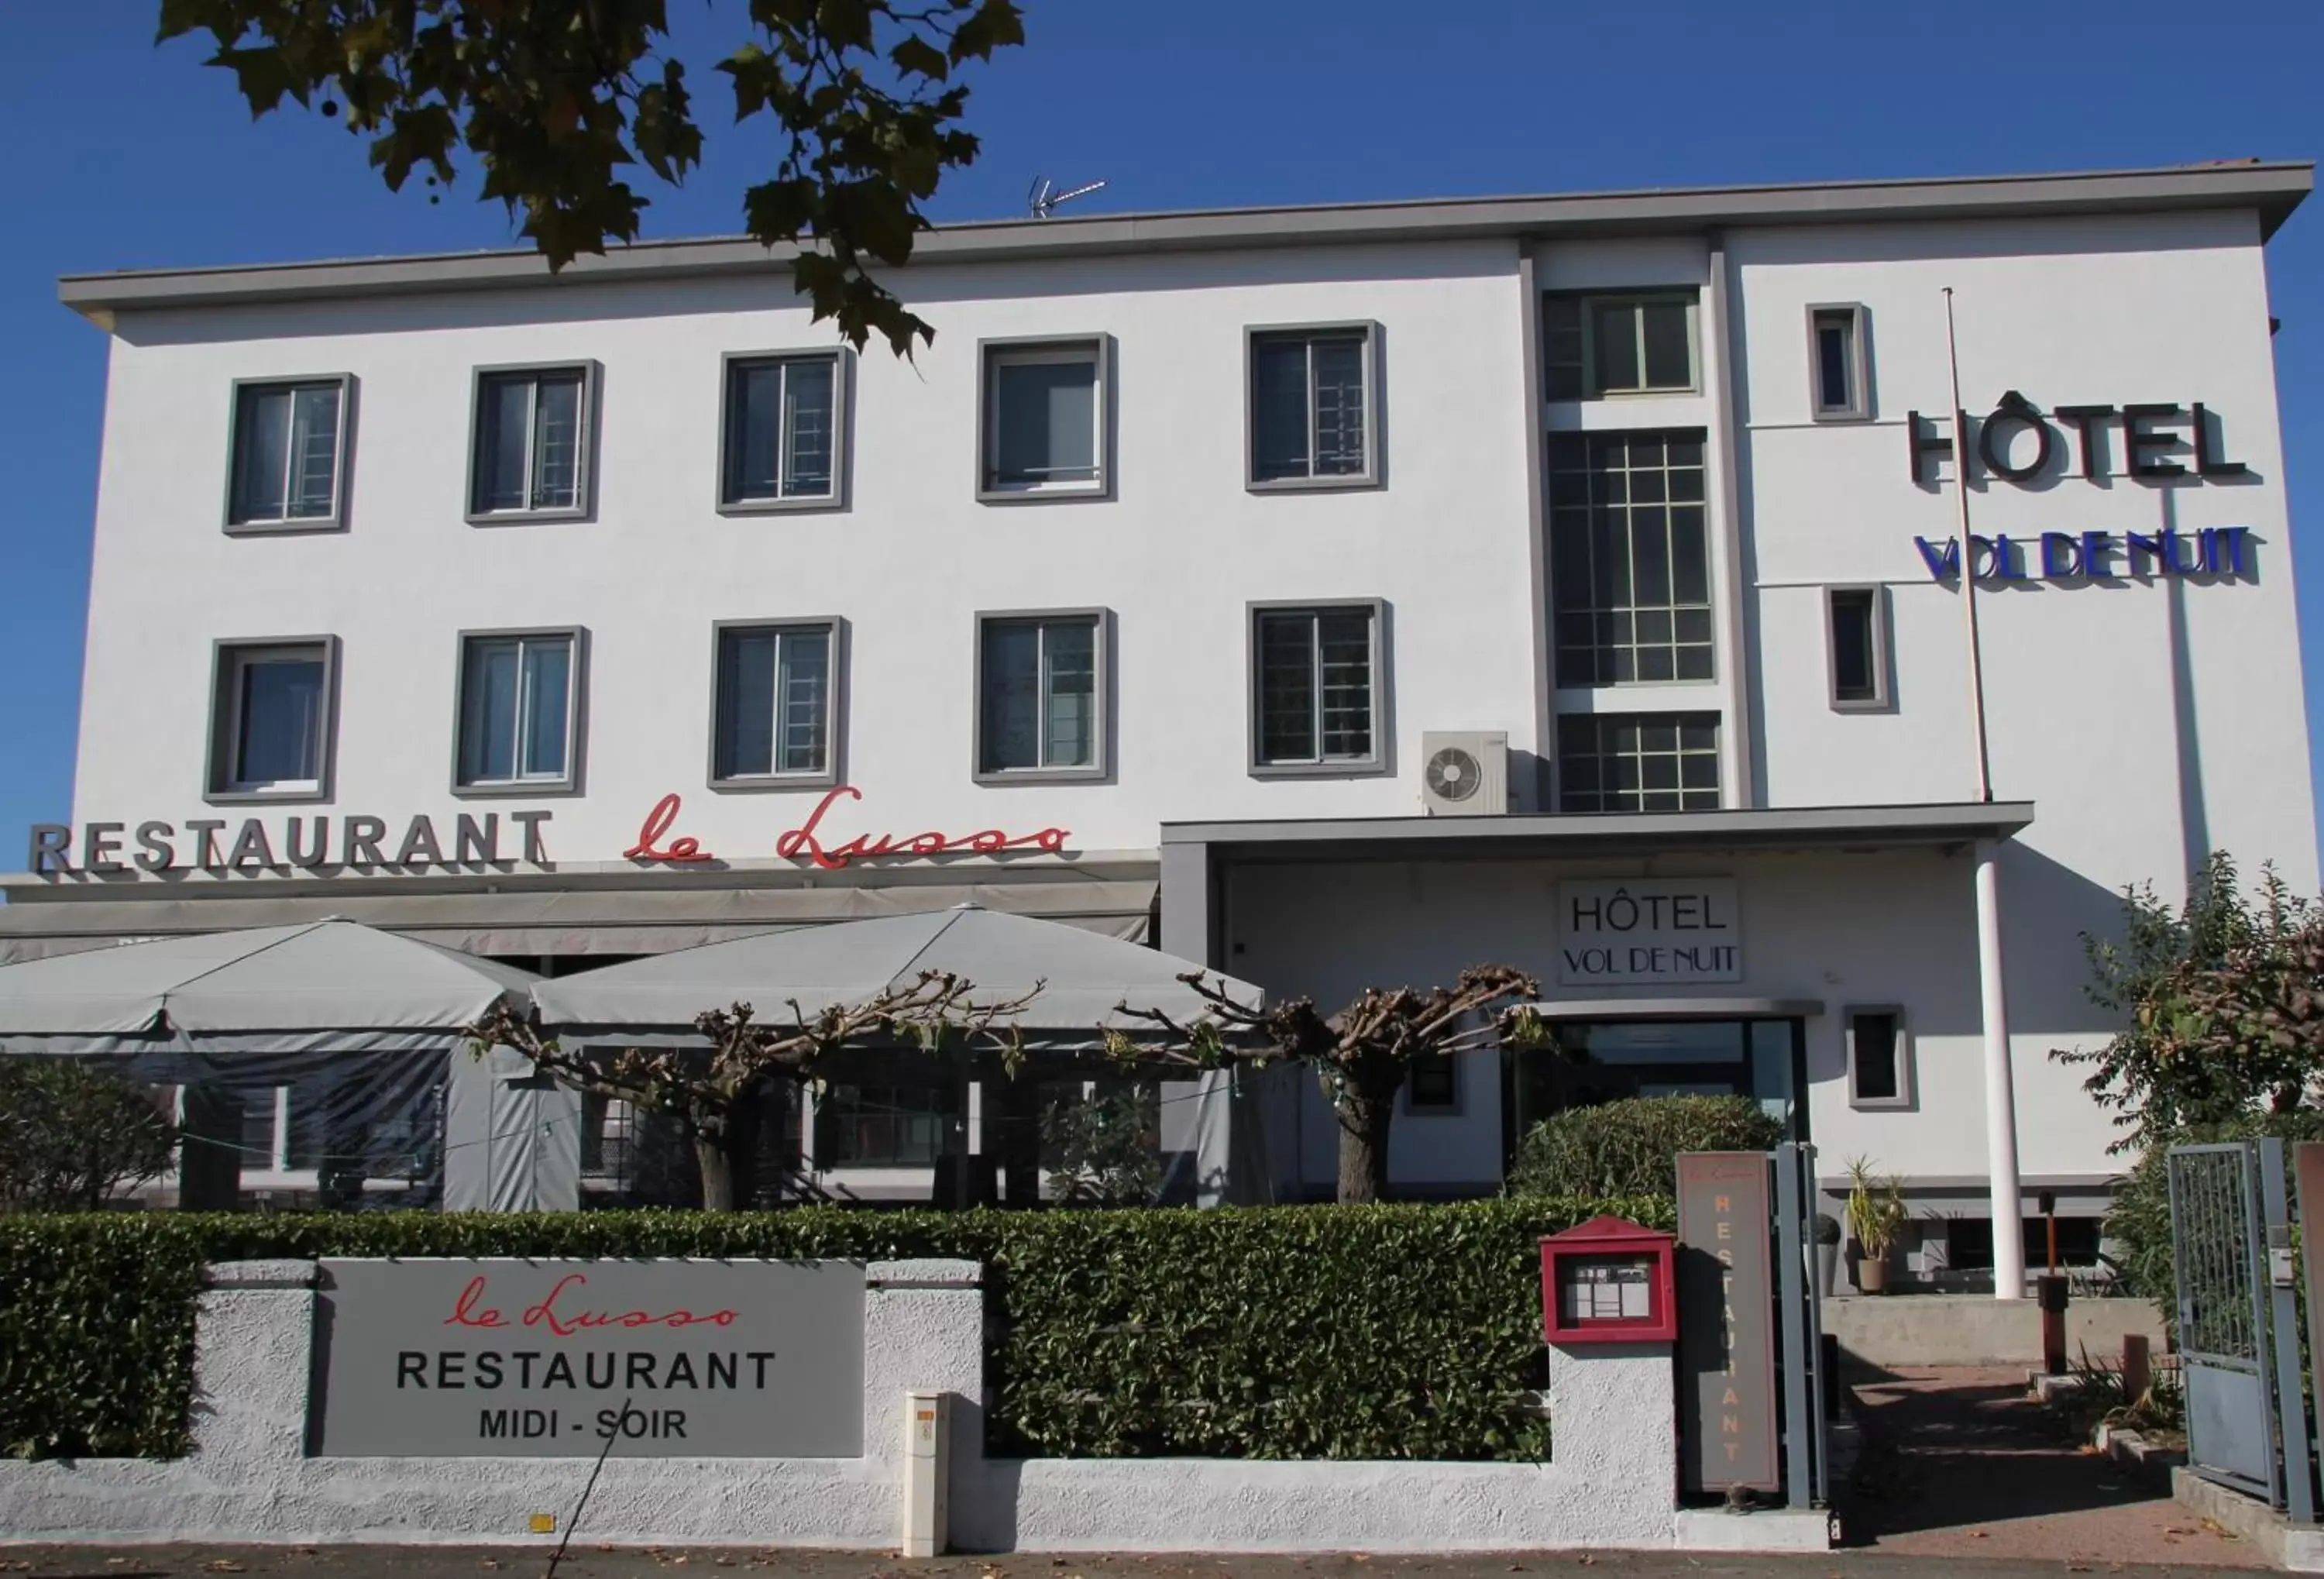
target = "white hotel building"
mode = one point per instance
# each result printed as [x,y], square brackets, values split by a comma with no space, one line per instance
[1191,544]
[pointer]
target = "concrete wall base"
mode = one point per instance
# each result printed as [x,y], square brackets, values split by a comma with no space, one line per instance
[1766,1529]
[2279,1543]
[1976,1329]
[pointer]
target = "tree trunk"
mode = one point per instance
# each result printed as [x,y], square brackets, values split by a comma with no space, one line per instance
[1364,1118]
[717,1170]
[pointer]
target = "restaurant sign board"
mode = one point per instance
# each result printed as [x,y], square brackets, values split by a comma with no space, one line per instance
[1726,1324]
[555,1359]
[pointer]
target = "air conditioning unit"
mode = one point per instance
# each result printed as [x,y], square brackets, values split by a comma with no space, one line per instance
[1465,773]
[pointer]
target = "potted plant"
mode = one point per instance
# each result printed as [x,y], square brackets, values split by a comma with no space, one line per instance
[1876,1215]
[1827,1240]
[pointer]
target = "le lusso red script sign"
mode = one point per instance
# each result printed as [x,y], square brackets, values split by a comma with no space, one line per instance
[807,839]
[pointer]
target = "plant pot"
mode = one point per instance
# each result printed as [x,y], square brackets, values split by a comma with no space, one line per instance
[1872,1276]
[1827,1269]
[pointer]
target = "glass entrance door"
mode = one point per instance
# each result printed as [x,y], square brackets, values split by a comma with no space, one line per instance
[1597,1061]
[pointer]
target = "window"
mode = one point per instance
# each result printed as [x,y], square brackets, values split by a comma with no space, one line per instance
[518,711]
[1044,418]
[1311,407]
[288,448]
[529,454]
[1594,346]
[1433,1083]
[1858,625]
[1040,695]
[1879,1068]
[1839,369]
[1317,702]
[1629,558]
[271,720]
[776,692]
[1637,761]
[882,1126]
[780,445]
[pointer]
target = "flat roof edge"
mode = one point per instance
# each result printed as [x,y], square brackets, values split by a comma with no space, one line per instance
[2274,188]
[1758,825]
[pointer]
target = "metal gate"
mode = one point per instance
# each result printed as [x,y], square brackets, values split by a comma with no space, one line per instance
[2238,1341]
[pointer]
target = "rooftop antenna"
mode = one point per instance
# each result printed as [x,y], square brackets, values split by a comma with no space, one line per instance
[1043,200]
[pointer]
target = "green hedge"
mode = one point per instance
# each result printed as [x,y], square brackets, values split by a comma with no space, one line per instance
[1301,1332]
[1631,1147]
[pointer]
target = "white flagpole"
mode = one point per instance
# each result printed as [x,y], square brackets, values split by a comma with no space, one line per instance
[1993,1003]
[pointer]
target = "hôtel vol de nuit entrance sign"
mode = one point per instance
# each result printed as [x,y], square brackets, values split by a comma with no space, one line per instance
[554,1359]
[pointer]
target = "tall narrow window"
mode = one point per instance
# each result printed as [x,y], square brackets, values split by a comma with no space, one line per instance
[1879,1063]
[1039,693]
[517,711]
[287,453]
[1630,557]
[1044,418]
[530,442]
[1637,761]
[775,689]
[783,432]
[1639,344]
[1433,1083]
[271,721]
[1859,657]
[1839,369]
[1317,702]
[1311,406]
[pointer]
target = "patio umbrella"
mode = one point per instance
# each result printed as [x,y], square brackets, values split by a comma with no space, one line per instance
[1082,977]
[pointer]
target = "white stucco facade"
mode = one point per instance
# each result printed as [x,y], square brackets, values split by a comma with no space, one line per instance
[2145,716]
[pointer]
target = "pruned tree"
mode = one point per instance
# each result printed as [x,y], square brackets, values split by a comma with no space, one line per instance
[715,1093]
[70,1136]
[1362,1055]
[555,98]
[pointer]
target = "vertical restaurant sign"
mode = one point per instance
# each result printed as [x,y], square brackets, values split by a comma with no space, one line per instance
[554,1359]
[1726,1324]
[1648,930]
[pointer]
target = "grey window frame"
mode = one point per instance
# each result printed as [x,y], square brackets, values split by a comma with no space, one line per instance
[342,460]
[1859,408]
[1382,762]
[843,396]
[226,655]
[1102,687]
[576,714]
[1375,407]
[1908,1087]
[1457,1107]
[1593,386]
[584,440]
[1882,697]
[834,704]
[989,491]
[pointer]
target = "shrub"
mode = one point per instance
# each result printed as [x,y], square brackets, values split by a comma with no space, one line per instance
[1294,1332]
[70,1135]
[1630,1147]
[2139,1218]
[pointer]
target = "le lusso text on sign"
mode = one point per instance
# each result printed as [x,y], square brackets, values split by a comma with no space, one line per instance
[1649,930]
[307,844]
[554,1359]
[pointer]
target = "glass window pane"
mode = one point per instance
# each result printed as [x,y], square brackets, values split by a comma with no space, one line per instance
[548,677]
[1670,348]
[281,722]
[1278,408]
[809,408]
[1338,367]
[502,432]
[488,704]
[746,703]
[1286,688]
[1875,1039]
[1853,675]
[1690,555]
[1044,416]
[806,701]
[1070,730]
[1835,360]
[557,442]
[1012,696]
[262,442]
[314,452]
[1346,639]
[754,392]
[1614,337]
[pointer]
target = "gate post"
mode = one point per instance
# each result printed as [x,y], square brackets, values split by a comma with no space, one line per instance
[2290,1397]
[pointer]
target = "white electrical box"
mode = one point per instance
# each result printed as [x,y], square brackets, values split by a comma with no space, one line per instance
[927,1419]
[1464,773]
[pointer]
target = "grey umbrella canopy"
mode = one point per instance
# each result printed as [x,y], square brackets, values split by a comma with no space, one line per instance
[1082,977]
[319,987]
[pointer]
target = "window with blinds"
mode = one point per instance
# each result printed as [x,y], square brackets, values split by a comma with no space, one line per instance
[286,454]
[782,431]
[1317,701]
[532,435]
[776,691]
[1040,695]
[1311,406]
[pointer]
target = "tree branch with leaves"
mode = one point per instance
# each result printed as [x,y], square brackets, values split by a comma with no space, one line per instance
[715,1092]
[1362,1055]
[554,99]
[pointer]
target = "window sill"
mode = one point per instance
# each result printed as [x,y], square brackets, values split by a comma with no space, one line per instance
[1370,768]
[1838,419]
[524,517]
[798,504]
[285,528]
[1327,484]
[537,788]
[1006,777]
[1872,705]
[1042,494]
[267,797]
[1882,1105]
[774,783]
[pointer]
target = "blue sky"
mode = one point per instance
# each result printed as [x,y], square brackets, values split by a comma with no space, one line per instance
[126,155]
